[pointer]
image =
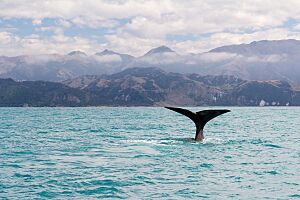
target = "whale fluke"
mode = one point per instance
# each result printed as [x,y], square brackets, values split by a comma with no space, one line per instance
[199,118]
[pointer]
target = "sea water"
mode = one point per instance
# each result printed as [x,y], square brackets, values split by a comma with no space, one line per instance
[148,153]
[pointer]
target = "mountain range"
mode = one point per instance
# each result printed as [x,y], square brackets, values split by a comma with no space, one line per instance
[261,61]
[148,86]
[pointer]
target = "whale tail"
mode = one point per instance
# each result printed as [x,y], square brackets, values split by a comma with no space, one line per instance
[199,118]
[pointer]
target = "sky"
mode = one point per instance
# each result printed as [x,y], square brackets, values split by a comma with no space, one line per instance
[136,26]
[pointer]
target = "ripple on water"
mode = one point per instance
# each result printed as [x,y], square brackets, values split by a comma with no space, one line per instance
[272,172]
[145,153]
[206,165]
[273,145]
[295,196]
[103,192]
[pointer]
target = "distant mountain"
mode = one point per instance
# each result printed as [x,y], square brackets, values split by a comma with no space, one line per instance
[124,58]
[40,93]
[162,57]
[56,67]
[153,86]
[148,87]
[77,53]
[159,50]
[262,60]
[263,47]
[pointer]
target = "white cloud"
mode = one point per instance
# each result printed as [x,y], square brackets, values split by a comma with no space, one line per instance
[137,26]
[94,22]
[64,23]
[12,44]
[54,29]
[296,27]
[216,57]
[192,16]
[107,58]
[37,22]
[41,59]
[127,43]
[274,58]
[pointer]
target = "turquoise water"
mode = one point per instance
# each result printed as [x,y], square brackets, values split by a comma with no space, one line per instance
[147,153]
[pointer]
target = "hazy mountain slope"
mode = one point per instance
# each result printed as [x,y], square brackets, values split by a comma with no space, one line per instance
[263,47]
[262,60]
[55,67]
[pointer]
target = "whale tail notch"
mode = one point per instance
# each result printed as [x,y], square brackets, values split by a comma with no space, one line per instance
[199,118]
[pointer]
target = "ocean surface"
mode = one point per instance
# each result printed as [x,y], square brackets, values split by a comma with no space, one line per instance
[147,153]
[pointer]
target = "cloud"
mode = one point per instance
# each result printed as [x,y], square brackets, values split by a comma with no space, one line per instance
[128,43]
[37,22]
[54,29]
[69,9]
[179,16]
[162,58]
[12,45]
[41,59]
[274,58]
[216,57]
[107,58]
[137,26]
[64,23]
[94,22]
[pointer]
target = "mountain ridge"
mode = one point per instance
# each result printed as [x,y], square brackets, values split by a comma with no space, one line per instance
[259,60]
[148,87]
[160,49]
